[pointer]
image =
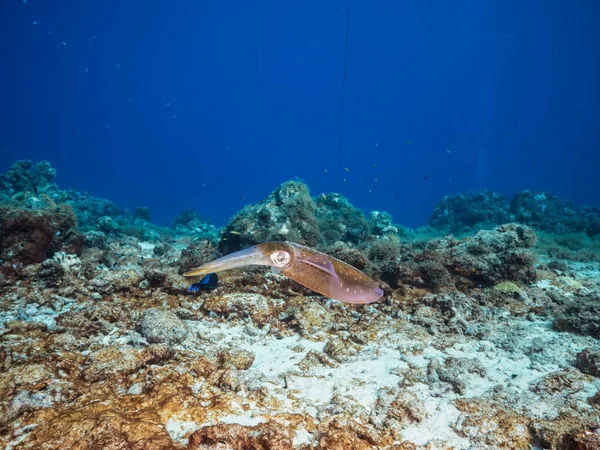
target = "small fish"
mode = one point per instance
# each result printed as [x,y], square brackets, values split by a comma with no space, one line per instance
[408,142]
[234,232]
[427,176]
[374,165]
[325,170]
[346,169]
[208,283]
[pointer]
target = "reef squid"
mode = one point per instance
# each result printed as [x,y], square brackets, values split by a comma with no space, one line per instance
[315,270]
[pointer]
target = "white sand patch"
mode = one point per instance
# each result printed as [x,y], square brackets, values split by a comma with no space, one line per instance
[301,437]
[436,426]
[273,357]
[545,284]
[247,420]
[147,249]
[180,429]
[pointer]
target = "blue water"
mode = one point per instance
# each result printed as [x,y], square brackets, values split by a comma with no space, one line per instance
[210,105]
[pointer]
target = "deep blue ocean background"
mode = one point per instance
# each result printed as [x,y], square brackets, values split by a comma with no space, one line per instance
[209,105]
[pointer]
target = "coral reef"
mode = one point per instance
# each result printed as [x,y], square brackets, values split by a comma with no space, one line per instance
[338,220]
[538,209]
[23,176]
[484,259]
[544,210]
[32,235]
[288,214]
[581,315]
[484,209]
[489,340]
[191,224]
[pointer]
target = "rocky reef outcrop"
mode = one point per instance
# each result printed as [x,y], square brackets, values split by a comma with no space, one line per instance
[538,209]
[288,214]
[484,259]
[470,211]
[31,235]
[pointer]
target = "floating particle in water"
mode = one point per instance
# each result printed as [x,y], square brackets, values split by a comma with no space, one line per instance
[346,169]
[64,43]
[408,142]
[35,22]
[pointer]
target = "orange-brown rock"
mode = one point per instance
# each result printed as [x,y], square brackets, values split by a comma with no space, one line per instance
[266,436]
[491,425]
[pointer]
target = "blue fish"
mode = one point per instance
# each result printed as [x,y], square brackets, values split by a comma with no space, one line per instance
[208,283]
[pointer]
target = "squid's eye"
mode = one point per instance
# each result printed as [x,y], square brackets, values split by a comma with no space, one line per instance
[280,258]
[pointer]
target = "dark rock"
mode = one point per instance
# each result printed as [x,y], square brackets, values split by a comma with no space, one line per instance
[161,326]
[288,214]
[90,209]
[338,220]
[142,213]
[543,210]
[482,260]
[31,236]
[588,361]
[581,317]
[51,272]
[96,239]
[195,255]
[269,435]
[23,176]
[477,210]
[380,224]
[107,224]
[553,214]
[190,223]
[348,254]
